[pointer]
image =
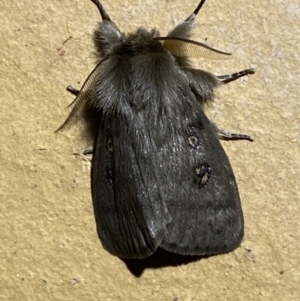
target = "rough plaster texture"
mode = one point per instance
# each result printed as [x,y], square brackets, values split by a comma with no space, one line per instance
[49,246]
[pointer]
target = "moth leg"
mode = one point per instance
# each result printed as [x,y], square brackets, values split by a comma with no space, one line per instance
[88,151]
[72,90]
[227,78]
[224,135]
[85,152]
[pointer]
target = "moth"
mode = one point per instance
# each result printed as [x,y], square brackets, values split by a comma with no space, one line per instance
[160,177]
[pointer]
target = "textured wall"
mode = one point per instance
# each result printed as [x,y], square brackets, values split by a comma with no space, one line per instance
[49,246]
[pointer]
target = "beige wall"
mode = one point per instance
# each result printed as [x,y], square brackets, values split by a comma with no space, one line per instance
[49,247]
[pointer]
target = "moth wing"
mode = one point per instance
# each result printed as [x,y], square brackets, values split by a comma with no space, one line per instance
[204,204]
[130,218]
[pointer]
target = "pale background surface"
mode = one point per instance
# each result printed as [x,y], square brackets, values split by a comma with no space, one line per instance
[49,246]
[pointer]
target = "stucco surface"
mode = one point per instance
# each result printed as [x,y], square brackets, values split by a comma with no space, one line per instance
[49,245]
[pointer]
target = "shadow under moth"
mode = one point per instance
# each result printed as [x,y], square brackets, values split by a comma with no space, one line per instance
[160,177]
